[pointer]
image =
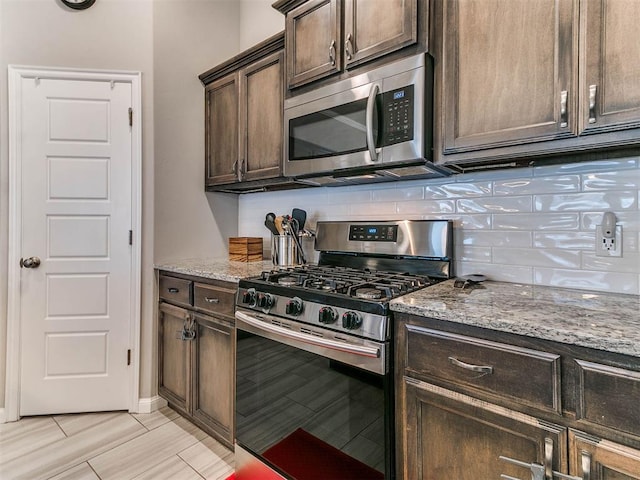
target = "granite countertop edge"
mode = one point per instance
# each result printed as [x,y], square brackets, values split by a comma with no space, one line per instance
[598,320]
[215,268]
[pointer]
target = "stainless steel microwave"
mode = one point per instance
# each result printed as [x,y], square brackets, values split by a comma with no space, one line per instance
[372,127]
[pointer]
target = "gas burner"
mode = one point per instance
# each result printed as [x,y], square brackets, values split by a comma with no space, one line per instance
[368,293]
[287,281]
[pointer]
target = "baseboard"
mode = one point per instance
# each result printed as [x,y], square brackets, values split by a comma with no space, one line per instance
[148,405]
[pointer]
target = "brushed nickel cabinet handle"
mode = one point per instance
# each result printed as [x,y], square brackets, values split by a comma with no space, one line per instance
[563,109]
[592,103]
[484,369]
[586,465]
[548,458]
[234,167]
[173,290]
[211,300]
[332,53]
[347,47]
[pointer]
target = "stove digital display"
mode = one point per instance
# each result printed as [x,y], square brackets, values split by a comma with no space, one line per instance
[373,233]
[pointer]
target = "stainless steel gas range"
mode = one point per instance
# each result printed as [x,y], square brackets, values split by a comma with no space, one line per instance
[314,370]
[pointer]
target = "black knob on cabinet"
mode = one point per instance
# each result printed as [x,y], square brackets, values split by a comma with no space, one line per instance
[249,297]
[327,315]
[294,306]
[265,300]
[351,320]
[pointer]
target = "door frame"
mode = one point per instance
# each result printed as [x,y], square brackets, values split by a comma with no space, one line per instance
[15,75]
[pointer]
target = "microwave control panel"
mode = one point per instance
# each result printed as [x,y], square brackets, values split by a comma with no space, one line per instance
[397,115]
[373,233]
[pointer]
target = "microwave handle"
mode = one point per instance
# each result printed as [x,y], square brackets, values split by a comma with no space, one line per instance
[371,105]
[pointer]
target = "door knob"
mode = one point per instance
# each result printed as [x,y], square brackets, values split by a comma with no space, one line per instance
[31,262]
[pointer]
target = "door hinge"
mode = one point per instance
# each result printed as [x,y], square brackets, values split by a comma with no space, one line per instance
[130,237]
[130,117]
[129,357]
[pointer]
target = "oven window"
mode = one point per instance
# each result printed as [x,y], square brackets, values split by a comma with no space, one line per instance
[334,131]
[291,403]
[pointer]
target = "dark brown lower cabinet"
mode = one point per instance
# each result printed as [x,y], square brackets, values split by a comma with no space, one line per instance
[472,404]
[213,369]
[196,352]
[596,459]
[174,366]
[450,435]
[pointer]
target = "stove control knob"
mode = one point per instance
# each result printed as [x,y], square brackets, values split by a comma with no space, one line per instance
[265,300]
[351,321]
[327,315]
[294,306]
[249,297]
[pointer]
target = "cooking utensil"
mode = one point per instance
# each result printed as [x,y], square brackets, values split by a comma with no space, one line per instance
[278,224]
[300,217]
[269,223]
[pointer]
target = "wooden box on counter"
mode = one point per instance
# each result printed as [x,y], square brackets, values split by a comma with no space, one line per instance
[245,249]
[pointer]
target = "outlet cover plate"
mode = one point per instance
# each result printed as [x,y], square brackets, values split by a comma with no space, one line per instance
[605,248]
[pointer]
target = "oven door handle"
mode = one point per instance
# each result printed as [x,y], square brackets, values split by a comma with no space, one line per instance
[363,351]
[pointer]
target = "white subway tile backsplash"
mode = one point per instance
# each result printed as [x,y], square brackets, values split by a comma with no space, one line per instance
[499,273]
[628,263]
[630,219]
[457,190]
[397,194]
[619,180]
[426,206]
[481,238]
[537,221]
[494,205]
[611,200]
[523,186]
[473,254]
[568,240]
[537,257]
[588,280]
[588,167]
[525,225]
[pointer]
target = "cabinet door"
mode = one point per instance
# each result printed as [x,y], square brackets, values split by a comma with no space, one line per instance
[261,92]
[373,29]
[313,41]
[174,359]
[610,65]
[450,435]
[213,376]
[221,131]
[602,460]
[507,75]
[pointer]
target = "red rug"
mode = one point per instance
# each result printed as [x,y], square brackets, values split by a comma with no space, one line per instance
[305,457]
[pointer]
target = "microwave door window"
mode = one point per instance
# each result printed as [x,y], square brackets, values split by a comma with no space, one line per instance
[334,131]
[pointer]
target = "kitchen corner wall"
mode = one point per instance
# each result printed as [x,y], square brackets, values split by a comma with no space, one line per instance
[526,225]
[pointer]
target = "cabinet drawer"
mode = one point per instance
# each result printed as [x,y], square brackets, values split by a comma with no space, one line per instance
[479,366]
[608,396]
[214,299]
[175,290]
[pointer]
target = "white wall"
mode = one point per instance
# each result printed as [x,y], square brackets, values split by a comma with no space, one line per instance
[43,33]
[527,225]
[258,21]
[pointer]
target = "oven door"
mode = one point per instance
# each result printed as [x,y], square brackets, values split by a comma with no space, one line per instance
[305,405]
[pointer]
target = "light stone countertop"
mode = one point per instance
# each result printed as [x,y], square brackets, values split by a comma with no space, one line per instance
[600,320]
[216,268]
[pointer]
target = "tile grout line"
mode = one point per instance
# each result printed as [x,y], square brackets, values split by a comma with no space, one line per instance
[59,426]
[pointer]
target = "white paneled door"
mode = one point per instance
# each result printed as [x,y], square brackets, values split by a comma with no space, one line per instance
[76,205]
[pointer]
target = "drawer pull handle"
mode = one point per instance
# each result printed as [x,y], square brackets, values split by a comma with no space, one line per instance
[173,290]
[564,114]
[211,300]
[483,369]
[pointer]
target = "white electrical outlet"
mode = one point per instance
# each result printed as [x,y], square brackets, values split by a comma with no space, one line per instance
[609,245]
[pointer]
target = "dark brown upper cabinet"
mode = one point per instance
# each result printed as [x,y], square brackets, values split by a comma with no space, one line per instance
[243,119]
[520,80]
[325,37]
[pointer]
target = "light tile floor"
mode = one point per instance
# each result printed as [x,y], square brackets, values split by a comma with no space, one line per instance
[111,446]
